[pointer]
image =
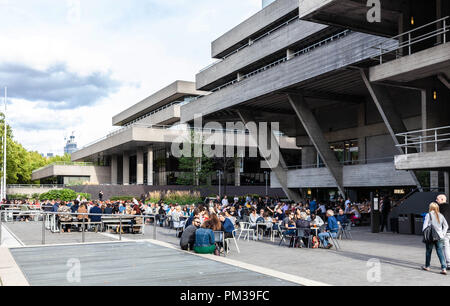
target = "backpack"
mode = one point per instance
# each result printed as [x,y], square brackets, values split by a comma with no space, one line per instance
[429,234]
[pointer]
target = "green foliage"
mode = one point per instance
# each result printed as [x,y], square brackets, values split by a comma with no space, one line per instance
[20,163]
[122,198]
[63,195]
[175,197]
[195,169]
[18,196]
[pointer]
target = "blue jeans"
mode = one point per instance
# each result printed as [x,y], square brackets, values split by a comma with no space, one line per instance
[324,237]
[439,245]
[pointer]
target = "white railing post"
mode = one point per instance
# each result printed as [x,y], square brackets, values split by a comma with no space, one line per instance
[409,43]
[444,29]
[381,53]
[435,141]
[421,145]
[406,144]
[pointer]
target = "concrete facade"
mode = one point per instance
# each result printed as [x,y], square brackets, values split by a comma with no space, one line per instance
[96,174]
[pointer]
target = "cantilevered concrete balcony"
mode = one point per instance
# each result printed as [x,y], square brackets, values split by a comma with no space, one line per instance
[352,14]
[289,35]
[424,150]
[367,175]
[96,174]
[167,115]
[138,136]
[167,95]
[347,50]
[252,27]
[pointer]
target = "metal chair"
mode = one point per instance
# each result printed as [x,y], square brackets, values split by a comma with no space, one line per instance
[246,228]
[284,234]
[178,226]
[347,230]
[220,237]
[301,233]
[227,241]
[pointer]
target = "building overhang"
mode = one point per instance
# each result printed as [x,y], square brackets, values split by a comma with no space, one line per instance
[55,170]
[134,137]
[423,161]
[420,65]
[165,96]
[352,14]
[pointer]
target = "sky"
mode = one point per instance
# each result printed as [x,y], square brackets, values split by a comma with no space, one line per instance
[71,65]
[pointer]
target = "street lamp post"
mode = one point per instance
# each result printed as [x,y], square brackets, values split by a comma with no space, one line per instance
[266,173]
[219,173]
[4,148]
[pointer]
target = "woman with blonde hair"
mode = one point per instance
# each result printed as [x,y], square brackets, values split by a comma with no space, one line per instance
[437,223]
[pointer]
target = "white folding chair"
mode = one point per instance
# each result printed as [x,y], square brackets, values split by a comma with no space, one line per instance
[246,228]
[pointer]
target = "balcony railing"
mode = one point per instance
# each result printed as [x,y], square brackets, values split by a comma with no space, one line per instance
[81,164]
[252,41]
[403,44]
[429,140]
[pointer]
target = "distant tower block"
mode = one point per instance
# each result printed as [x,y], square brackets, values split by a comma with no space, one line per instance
[71,145]
[266,3]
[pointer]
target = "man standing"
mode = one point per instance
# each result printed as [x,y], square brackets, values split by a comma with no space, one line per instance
[385,211]
[445,211]
[100,195]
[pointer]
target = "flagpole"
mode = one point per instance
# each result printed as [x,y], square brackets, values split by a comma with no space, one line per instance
[4,148]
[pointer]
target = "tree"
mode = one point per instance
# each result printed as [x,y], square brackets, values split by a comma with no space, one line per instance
[20,163]
[196,169]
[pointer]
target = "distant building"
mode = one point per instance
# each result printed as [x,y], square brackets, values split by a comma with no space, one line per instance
[71,145]
[50,155]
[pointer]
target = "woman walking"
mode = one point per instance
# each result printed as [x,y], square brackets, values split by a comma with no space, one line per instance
[440,226]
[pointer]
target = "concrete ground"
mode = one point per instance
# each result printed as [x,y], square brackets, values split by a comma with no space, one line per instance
[384,259]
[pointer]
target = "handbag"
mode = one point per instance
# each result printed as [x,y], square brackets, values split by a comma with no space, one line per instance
[429,234]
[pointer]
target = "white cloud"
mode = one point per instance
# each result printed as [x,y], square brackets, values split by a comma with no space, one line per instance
[145,45]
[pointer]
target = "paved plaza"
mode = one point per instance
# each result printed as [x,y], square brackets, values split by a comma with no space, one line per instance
[367,259]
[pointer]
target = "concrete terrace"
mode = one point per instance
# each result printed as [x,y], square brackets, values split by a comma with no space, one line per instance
[400,258]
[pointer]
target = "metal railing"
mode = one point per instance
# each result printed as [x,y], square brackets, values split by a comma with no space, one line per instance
[424,140]
[37,186]
[50,220]
[81,164]
[252,41]
[408,39]
[344,163]
[157,111]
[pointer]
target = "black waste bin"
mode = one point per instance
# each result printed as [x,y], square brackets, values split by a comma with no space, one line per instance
[418,224]
[405,224]
[394,225]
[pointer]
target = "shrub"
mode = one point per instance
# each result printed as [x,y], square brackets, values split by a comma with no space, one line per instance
[122,198]
[173,197]
[63,195]
[18,196]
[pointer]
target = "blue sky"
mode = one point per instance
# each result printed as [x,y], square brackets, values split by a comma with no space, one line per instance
[70,65]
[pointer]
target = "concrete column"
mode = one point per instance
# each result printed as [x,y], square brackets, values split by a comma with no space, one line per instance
[434,180]
[114,170]
[237,171]
[140,167]
[447,184]
[317,137]
[280,169]
[126,169]
[289,54]
[391,118]
[239,76]
[309,157]
[150,166]
[362,140]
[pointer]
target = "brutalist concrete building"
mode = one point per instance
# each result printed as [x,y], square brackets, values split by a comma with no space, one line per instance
[362,90]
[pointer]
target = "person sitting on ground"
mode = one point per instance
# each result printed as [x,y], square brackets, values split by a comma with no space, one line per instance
[204,239]
[187,240]
[65,216]
[331,230]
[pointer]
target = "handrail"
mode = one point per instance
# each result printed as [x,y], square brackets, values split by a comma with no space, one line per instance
[417,139]
[296,18]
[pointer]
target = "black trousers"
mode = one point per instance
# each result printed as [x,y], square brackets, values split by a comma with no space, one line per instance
[384,222]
